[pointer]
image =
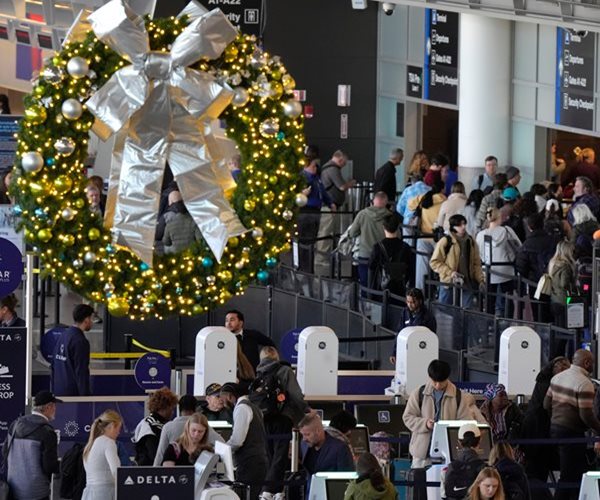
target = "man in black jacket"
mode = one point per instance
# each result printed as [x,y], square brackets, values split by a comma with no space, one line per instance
[537,250]
[70,375]
[250,340]
[385,177]
[31,446]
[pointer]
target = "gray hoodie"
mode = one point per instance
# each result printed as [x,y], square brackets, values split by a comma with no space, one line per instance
[505,244]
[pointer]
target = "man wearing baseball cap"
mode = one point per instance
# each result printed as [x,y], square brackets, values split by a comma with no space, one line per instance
[30,450]
[214,408]
[461,473]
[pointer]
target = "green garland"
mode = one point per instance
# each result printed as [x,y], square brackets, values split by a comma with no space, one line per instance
[71,241]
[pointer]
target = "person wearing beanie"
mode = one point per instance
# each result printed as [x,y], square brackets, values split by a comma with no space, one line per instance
[513,176]
[503,416]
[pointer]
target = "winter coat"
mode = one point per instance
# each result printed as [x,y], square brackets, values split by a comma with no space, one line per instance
[446,263]
[416,417]
[429,215]
[295,407]
[146,438]
[505,243]
[582,236]
[363,490]
[534,255]
[180,232]
[368,224]
[563,281]
[453,205]
[513,478]
[489,201]
[32,458]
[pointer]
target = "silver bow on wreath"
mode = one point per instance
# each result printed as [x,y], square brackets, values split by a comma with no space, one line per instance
[164,112]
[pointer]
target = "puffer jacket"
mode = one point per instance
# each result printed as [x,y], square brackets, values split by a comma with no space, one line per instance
[180,232]
[505,243]
[416,417]
[446,263]
[368,224]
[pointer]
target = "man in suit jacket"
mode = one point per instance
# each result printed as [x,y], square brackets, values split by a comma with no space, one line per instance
[251,340]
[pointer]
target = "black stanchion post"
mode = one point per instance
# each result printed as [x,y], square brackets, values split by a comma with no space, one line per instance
[128,345]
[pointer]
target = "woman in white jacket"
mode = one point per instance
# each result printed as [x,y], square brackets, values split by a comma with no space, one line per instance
[453,205]
[100,457]
[503,248]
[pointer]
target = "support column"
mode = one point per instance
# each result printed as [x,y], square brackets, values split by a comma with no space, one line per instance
[484,95]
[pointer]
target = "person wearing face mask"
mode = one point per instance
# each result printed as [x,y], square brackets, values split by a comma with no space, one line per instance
[570,401]
[456,259]
[30,450]
[438,399]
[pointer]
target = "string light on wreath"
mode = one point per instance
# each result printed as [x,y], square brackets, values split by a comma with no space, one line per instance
[73,244]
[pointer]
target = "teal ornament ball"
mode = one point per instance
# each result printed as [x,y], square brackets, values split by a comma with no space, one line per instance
[207,262]
[262,275]
[271,262]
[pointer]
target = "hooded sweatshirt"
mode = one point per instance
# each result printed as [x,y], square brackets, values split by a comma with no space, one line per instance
[368,224]
[505,243]
[146,438]
[364,490]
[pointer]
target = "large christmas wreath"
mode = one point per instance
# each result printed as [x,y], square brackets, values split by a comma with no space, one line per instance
[74,245]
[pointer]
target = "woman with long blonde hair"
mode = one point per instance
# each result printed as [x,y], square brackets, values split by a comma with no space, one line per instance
[193,441]
[100,457]
[419,163]
[562,270]
[487,486]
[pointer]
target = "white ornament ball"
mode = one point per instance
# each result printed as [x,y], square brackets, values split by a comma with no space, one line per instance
[268,127]
[210,280]
[89,257]
[240,96]
[78,67]
[239,264]
[72,109]
[68,214]
[77,263]
[301,199]
[257,233]
[288,214]
[64,146]
[292,108]
[32,162]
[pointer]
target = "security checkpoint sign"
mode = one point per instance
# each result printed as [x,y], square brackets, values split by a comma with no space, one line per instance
[153,371]
[13,357]
[155,483]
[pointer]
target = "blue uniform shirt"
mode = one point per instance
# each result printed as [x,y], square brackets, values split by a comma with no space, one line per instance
[71,364]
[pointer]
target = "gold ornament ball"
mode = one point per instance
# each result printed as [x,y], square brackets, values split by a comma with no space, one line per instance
[233,242]
[63,184]
[89,273]
[118,306]
[44,235]
[288,82]
[197,309]
[94,233]
[239,264]
[36,114]
[37,188]
[226,276]
[79,203]
[276,74]
[268,197]
[249,205]
[231,52]
[273,179]
[276,90]
[68,240]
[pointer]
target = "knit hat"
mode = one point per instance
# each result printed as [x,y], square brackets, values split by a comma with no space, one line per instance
[492,390]
[512,172]
[510,194]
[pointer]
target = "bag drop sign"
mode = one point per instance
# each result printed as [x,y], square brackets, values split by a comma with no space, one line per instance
[153,371]
[13,351]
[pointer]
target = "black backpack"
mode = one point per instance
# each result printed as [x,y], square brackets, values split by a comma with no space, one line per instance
[460,476]
[72,473]
[391,270]
[267,392]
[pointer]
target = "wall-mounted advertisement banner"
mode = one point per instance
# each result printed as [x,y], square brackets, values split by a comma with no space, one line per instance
[9,125]
[440,74]
[13,357]
[575,56]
